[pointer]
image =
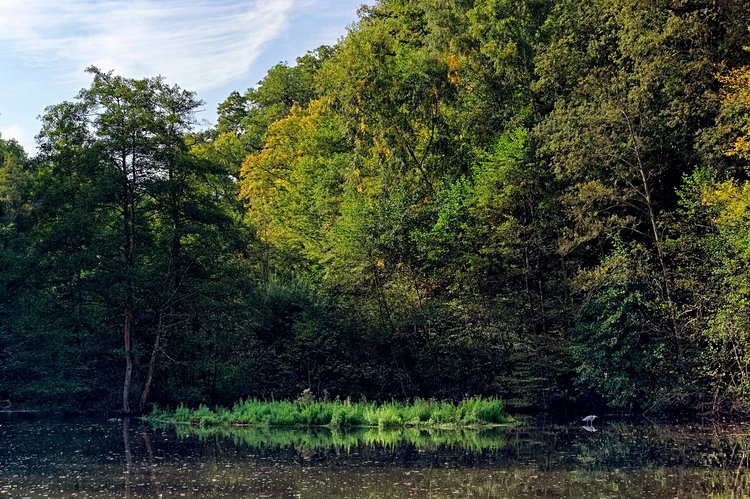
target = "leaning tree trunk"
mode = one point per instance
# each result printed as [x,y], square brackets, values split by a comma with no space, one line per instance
[658,240]
[127,333]
[175,277]
[151,365]
[129,242]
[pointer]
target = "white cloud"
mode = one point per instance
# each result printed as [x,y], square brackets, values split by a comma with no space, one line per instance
[22,136]
[199,44]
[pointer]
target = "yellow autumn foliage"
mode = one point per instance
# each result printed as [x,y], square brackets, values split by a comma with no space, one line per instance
[736,95]
[454,66]
[265,172]
[269,173]
[732,200]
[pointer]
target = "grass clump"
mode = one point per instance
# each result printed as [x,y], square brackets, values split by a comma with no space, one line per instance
[477,410]
[307,412]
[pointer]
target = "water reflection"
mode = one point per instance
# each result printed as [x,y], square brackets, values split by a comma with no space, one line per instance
[129,458]
[351,440]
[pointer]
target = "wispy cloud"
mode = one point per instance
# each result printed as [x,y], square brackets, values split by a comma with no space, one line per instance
[199,44]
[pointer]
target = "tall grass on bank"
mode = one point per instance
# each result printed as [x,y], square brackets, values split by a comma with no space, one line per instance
[473,412]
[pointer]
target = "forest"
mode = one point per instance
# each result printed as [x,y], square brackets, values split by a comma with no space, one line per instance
[544,202]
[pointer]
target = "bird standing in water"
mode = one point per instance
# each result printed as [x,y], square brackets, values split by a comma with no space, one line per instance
[589,419]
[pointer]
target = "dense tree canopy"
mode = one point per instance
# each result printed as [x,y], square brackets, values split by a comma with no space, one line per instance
[546,202]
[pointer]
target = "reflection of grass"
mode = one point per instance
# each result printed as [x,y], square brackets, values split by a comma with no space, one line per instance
[325,438]
[473,412]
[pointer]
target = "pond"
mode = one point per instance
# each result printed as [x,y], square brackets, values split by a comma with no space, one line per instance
[55,457]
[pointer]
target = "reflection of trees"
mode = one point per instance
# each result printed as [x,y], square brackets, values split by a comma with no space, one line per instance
[623,445]
[617,445]
[350,440]
[526,461]
[547,461]
[139,461]
[128,457]
[150,457]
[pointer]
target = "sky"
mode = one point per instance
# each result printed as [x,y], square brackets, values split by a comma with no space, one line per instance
[211,47]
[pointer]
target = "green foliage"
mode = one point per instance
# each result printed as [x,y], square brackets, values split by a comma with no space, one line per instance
[121,217]
[494,198]
[476,411]
[618,344]
[713,250]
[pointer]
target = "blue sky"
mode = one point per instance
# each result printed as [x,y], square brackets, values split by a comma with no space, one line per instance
[209,46]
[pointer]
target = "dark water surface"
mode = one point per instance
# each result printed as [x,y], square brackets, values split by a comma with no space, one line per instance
[43,457]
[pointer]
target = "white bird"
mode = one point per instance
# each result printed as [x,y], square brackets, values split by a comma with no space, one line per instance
[589,419]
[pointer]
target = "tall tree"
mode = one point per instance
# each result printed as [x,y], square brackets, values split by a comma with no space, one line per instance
[132,131]
[626,85]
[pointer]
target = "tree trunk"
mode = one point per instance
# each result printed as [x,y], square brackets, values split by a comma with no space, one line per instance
[666,285]
[128,358]
[129,242]
[151,366]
